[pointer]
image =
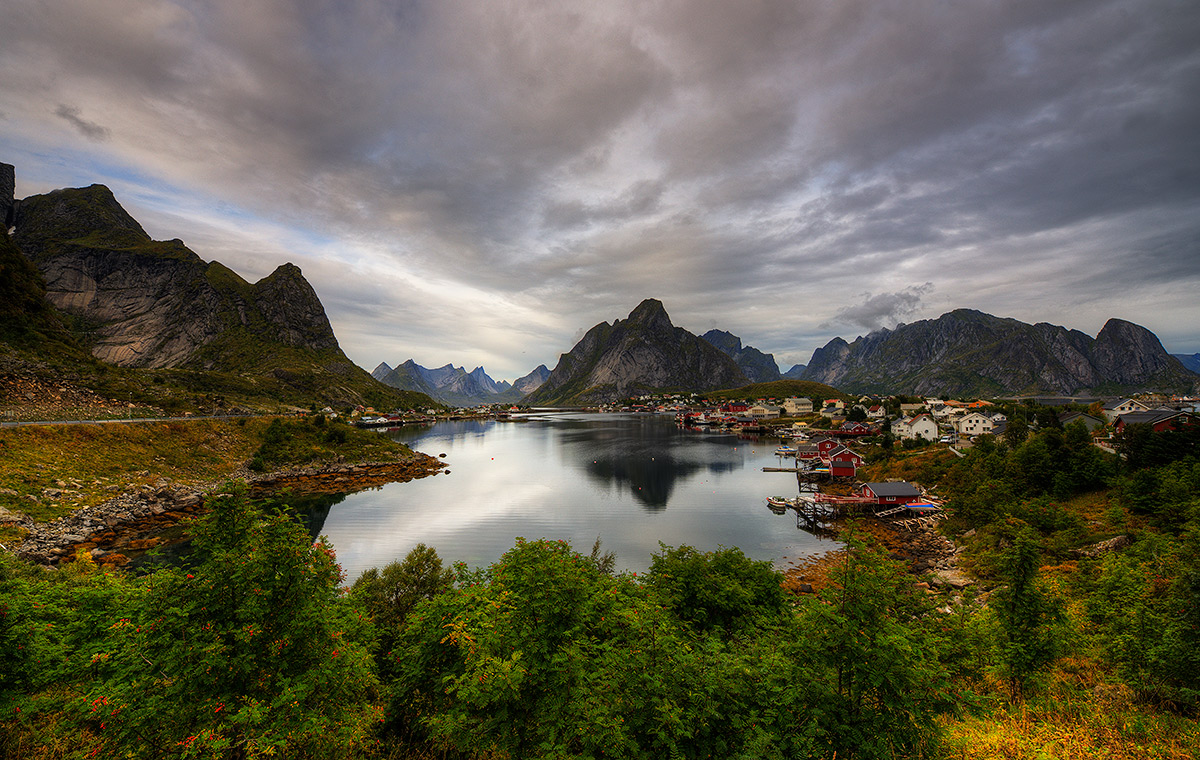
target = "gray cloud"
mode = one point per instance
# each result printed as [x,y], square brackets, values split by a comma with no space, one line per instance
[883,309]
[90,130]
[547,166]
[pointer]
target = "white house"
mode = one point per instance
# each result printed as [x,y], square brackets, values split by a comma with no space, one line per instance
[764,411]
[974,424]
[795,407]
[1114,409]
[921,426]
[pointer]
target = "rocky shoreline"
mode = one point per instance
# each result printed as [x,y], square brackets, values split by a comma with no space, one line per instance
[930,557]
[134,521]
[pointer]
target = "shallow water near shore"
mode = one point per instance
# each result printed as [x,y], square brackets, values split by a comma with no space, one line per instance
[631,480]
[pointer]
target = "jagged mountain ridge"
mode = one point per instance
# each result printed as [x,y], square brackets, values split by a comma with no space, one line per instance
[758,366]
[138,303]
[457,387]
[967,352]
[642,353]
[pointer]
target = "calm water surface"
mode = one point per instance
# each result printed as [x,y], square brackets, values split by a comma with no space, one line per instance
[632,480]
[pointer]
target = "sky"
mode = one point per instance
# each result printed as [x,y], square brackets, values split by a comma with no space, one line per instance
[478,183]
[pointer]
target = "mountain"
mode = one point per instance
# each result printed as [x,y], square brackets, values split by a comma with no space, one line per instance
[967,352]
[455,386]
[759,367]
[532,381]
[640,354]
[795,372]
[1190,362]
[138,303]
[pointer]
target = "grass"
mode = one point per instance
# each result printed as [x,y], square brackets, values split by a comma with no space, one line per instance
[91,463]
[1078,715]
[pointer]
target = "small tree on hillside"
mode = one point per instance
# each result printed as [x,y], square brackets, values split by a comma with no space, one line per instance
[1032,622]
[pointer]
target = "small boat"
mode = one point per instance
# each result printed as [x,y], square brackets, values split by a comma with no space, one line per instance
[785,451]
[779,505]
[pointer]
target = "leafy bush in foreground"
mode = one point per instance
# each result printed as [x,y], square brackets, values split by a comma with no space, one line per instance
[251,652]
[545,655]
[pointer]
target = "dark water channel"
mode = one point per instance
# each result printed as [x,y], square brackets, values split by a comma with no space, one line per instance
[632,480]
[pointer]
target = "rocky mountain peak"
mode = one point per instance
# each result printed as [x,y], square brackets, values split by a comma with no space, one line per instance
[90,214]
[1126,353]
[759,367]
[641,353]
[968,352]
[651,313]
[291,305]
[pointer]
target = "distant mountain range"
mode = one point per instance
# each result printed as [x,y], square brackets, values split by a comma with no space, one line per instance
[455,386]
[640,354]
[795,372]
[1189,361]
[966,352]
[759,367]
[106,288]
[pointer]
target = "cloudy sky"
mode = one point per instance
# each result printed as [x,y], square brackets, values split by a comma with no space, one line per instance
[479,182]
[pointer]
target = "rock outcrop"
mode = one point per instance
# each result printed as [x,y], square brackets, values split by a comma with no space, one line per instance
[642,353]
[759,367]
[8,186]
[156,303]
[967,352]
[100,285]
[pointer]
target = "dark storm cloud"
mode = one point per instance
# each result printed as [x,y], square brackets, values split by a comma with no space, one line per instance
[752,164]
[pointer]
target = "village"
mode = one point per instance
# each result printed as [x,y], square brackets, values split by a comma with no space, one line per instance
[821,437]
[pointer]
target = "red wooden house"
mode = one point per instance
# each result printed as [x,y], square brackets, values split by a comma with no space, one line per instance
[892,494]
[1161,420]
[843,462]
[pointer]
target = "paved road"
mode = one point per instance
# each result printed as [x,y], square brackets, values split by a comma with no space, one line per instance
[125,421]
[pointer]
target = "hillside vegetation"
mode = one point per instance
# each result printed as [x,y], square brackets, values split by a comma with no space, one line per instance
[49,471]
[1072,648]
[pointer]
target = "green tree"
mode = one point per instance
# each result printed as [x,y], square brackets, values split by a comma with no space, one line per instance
[1032,622]
[877,660]
[546,655]
[390,594]
[721,589]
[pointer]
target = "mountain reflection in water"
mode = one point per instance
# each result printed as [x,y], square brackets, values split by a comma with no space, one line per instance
[632,480]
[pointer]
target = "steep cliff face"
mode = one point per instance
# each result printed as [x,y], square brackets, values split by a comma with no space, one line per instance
[968,352]
[641,353]
[758,366]
[149,303]
[105,285]
[8,185]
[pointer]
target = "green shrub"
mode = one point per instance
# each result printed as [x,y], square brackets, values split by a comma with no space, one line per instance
[251,652]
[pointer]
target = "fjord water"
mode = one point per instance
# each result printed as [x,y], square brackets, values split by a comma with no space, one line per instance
[632,480]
